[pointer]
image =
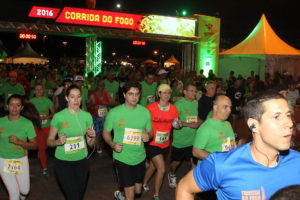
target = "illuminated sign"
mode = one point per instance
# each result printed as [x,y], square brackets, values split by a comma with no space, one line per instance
[44,12]
[168,25]
[138,42]
[27,36]
[99,18]
[153,24]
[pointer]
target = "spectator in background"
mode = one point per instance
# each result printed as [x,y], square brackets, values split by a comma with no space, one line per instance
[11,87]
[205,103]
[236,94]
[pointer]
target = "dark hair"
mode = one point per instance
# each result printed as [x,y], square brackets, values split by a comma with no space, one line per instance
[173,82]
[291,192]
[66,81]
[16,96]
[150,72]
[130,85]
[208,82]
[30,112]
[254,107]
[71,88]
[187,85]
[36,84]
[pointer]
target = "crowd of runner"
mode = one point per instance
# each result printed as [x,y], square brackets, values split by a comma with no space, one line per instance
[139,113]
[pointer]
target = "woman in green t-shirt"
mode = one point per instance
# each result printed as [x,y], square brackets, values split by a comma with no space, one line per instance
[74,128]
[16,136]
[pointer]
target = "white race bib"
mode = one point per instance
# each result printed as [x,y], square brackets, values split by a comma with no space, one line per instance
[191,119]
[132,136]
[161,137]
[74,144]
[45,120]
[228,144]
[13,166]
[102,111]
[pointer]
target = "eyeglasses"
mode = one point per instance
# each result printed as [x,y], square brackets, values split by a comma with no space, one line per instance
[133,94]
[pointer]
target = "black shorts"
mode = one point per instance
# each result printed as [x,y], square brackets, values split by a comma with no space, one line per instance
[129,175]
[180,154]
[152,151]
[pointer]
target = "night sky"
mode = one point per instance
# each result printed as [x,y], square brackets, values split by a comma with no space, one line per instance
[238,18]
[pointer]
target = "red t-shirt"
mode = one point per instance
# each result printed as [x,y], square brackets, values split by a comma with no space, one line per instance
[162,124]
[98,102]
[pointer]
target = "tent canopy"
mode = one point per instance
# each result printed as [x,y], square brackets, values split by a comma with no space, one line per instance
[149,61]
[26,51]
[262,40]
[173,60]
[262,51]
[25,54]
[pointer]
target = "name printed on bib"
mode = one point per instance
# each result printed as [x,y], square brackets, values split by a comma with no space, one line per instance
[102,111]
[161,137]
[228,144]
[74,144]
[132,136]
[191,119]
[13,166]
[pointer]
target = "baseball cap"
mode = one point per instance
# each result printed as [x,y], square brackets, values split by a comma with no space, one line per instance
[163,87]
[78,78]
[13,74]
[162,71]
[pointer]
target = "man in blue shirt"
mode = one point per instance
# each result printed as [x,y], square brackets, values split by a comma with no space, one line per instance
[255,170]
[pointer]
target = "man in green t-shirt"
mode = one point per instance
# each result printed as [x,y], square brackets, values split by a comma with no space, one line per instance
[215,134]
[148,89]
[11,87]
[132,127]
[183,138]
[112,86]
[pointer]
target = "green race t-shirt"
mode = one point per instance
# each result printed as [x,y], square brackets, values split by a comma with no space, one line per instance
[214,136]
[7,90]
[148,93]
[21,128]
[128,125]
[43,105]
[175,94]
[188,112]
[111,88]
[74,126]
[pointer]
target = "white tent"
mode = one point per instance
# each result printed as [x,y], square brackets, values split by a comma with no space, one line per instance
[28,55]
[262,51]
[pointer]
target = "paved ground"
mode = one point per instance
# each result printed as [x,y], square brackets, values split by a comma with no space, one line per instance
[102,182]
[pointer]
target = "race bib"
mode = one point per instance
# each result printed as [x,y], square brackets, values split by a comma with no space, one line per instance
[150,99]
[13,166]
[44,119]
[50,92]
[132,136]
[102,111]
[161,137]
[191,119]
[74,144]
[228,144]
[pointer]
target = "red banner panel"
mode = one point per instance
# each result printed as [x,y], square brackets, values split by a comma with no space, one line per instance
[44,12]
[99,18]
